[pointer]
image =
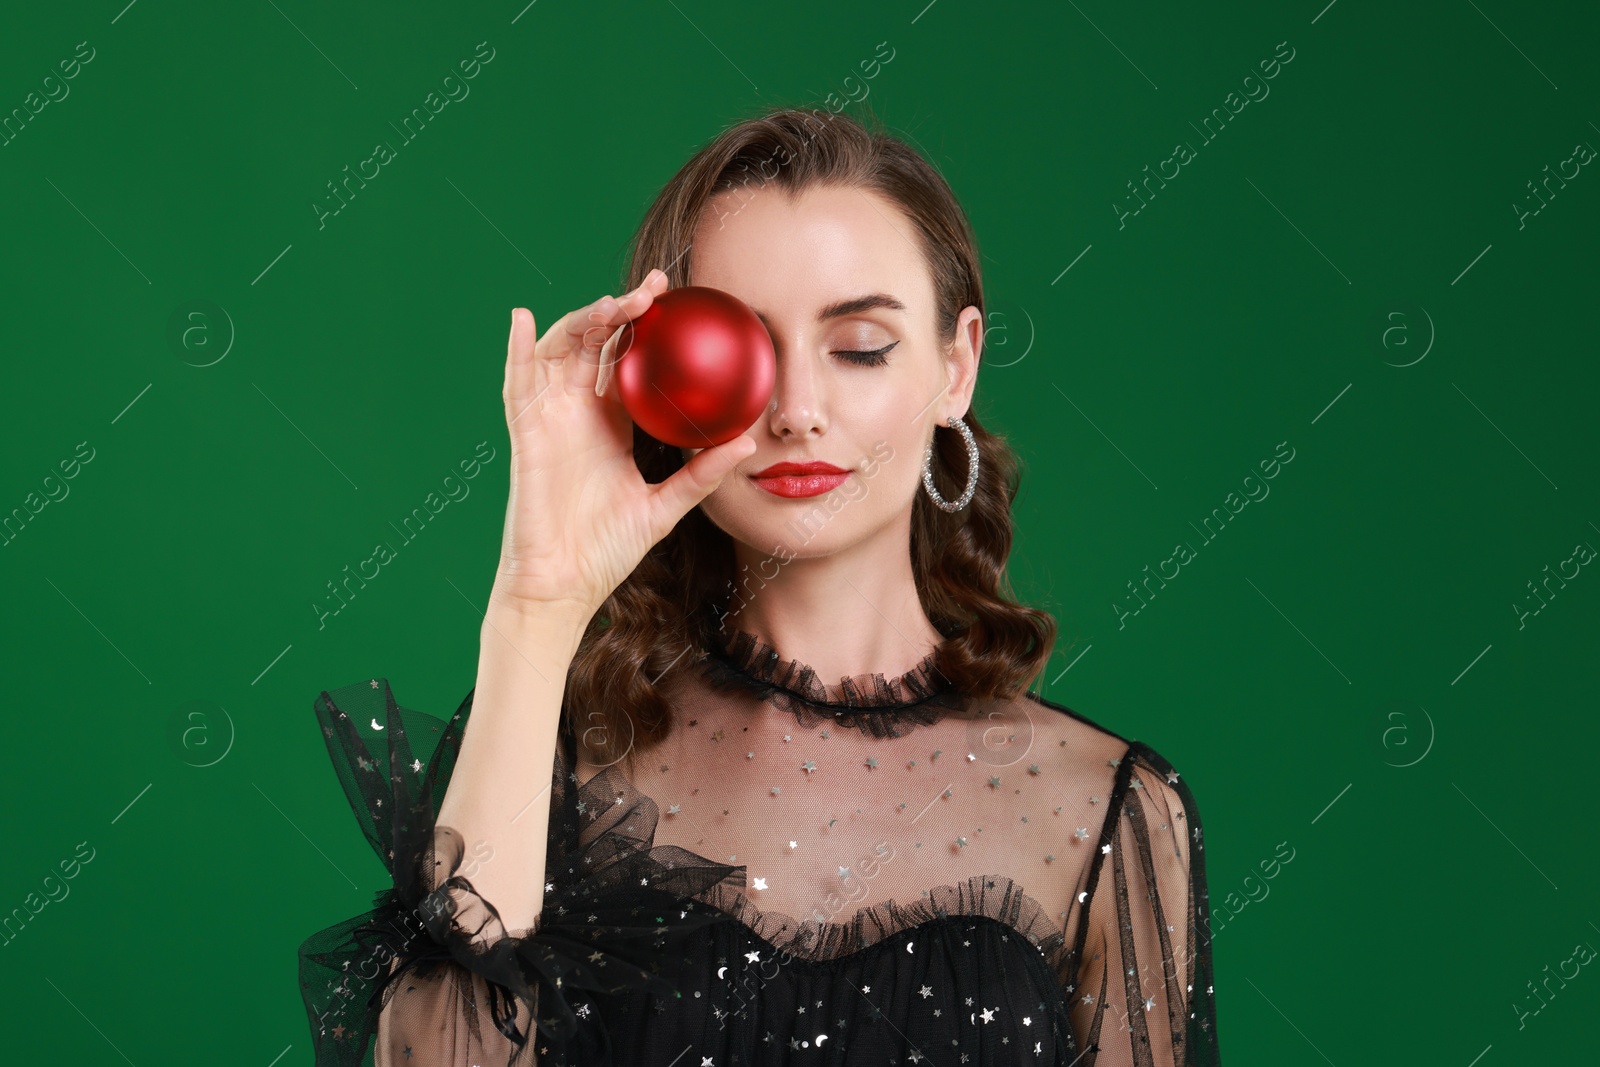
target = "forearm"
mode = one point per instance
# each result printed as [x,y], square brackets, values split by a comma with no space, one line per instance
[499,793]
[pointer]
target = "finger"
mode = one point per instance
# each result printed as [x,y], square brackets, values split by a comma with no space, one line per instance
[598,325]
[525,375]
[588,334]
[697,479]
[608,361]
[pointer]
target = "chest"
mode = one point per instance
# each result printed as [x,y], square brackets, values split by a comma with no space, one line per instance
[827,827]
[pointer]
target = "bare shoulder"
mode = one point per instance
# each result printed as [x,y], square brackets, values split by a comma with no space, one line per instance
[1071,741]
[1079,746]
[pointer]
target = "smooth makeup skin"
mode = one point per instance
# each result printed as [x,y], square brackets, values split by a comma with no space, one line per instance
[789,258]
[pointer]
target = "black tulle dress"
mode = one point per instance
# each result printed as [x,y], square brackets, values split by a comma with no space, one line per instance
[880,871]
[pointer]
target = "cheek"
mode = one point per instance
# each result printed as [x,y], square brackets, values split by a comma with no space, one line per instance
[719,506]
[853,491]
[902,475]
[748,522]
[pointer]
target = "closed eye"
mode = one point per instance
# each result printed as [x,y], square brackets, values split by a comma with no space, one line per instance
[875,358]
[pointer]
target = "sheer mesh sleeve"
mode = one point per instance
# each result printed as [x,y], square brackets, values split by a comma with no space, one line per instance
[429,970]
[1143,994]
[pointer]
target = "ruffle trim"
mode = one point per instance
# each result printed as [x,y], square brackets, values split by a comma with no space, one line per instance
[603,932]
[876,705]
[721,887]
[609,911]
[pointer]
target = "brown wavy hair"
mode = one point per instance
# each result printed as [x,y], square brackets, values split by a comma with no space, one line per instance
[993,646]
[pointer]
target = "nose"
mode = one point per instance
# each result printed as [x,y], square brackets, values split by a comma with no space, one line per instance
[796,408]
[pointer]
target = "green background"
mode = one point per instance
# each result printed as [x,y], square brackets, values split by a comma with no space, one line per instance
[1341,268]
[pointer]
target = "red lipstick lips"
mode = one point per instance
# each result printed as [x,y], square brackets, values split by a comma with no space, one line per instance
[799,479]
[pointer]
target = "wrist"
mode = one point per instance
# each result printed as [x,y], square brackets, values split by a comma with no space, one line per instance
[562,621]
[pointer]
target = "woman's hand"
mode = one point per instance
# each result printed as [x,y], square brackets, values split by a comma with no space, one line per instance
[580,516]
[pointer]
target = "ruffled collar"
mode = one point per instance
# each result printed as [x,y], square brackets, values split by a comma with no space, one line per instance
[872,703]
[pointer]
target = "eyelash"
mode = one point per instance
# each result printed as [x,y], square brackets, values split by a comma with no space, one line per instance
[875,358]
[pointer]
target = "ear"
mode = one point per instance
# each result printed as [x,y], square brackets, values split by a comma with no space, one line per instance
[961,362]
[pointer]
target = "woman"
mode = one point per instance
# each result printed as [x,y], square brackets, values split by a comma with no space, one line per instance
[667,835]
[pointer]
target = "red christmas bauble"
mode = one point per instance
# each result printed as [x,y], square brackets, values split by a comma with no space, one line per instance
[697,368]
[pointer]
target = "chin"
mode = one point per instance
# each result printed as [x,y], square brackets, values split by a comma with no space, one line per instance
[793,532]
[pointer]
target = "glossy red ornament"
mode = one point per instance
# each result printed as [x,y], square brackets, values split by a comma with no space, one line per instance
[697,368]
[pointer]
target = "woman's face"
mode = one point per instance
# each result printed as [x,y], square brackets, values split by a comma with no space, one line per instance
[862,379]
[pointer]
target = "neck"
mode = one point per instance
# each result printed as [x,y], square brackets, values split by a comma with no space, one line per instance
[843,614]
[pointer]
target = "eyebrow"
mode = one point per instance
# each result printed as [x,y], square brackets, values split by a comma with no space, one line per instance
[854,305]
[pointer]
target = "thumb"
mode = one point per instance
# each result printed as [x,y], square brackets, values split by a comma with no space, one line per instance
[699,478]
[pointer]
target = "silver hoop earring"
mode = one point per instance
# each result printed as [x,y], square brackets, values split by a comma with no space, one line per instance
[972,469]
